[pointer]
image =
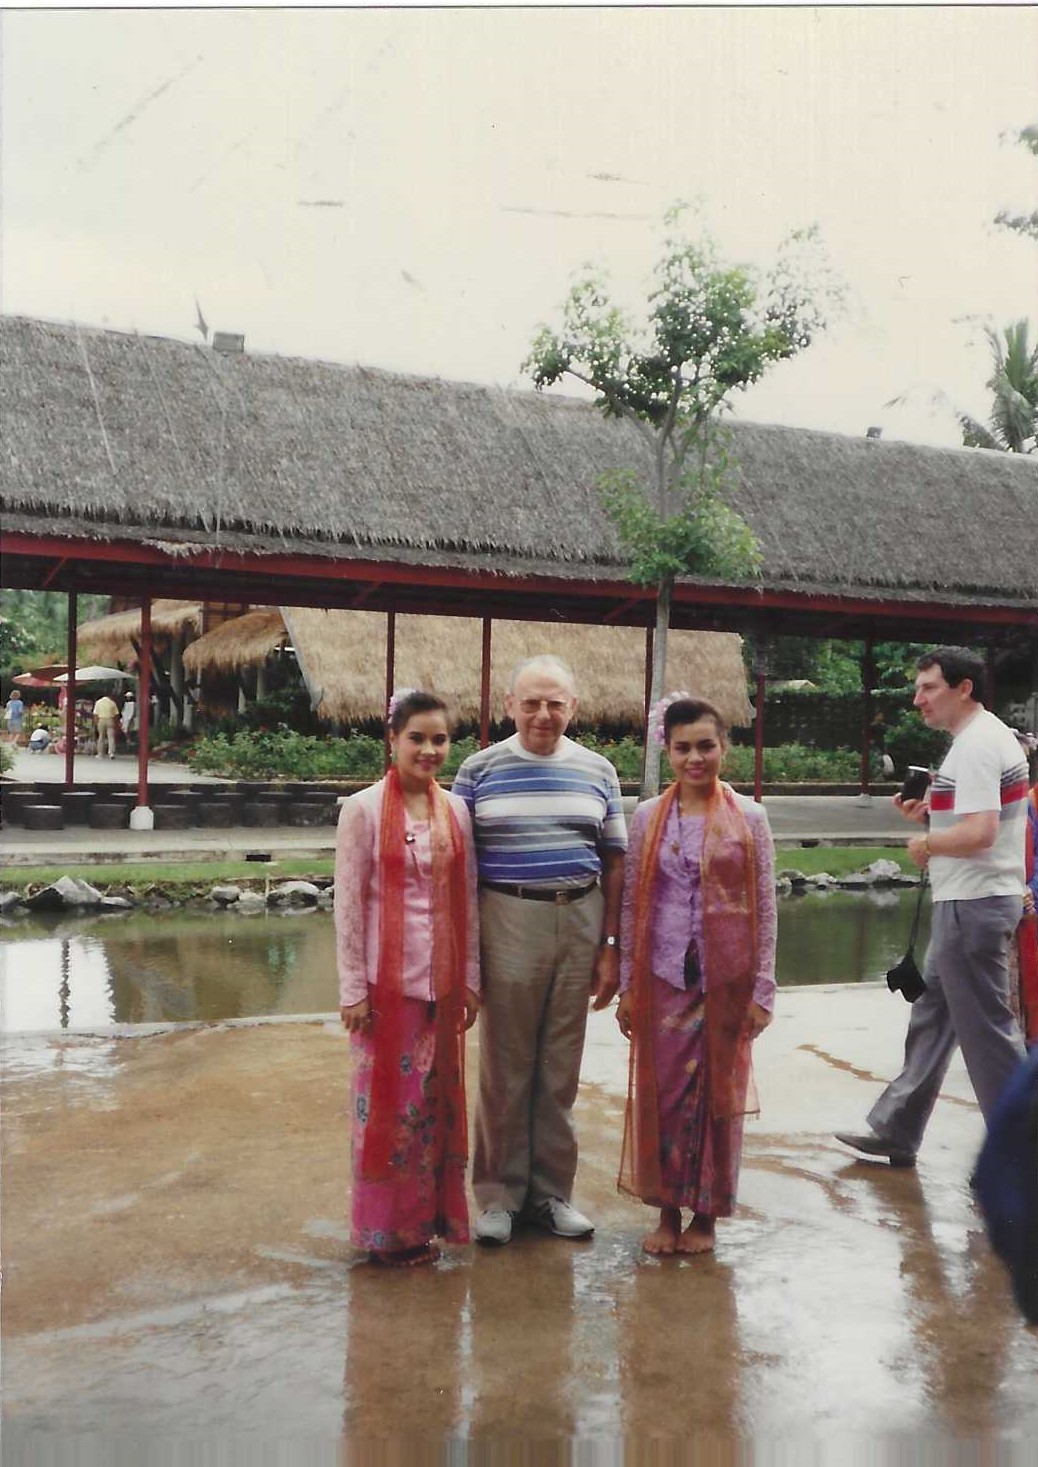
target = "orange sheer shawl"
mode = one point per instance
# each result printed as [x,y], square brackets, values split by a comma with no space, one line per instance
[448,905]
[1027,938]
[728,890]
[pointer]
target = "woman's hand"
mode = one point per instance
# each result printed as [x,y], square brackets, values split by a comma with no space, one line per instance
[624,1011]
[471,1007]
[356,1017]
[757,1019]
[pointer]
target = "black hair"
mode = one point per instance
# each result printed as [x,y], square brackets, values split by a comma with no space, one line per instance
[691,710]
[412,703]
[956,664]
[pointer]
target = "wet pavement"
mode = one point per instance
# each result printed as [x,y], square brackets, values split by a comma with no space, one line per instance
[178,1278]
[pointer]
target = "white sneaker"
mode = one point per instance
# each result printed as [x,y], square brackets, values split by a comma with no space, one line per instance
[561,1218]
[494,1226]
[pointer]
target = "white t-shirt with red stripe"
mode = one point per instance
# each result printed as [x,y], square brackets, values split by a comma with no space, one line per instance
[983,770]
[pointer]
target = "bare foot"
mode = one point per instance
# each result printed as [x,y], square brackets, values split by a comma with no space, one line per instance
[664,1239]
[698,1237]
[406,1257]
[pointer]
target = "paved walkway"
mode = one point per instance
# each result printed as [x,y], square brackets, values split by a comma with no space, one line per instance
[179,1284]
[795,820]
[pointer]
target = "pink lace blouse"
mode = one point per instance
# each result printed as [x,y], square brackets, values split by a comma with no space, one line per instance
[357,896]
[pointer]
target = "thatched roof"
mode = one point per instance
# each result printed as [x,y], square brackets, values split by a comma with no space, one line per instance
[121,437]
[111,638]
[244,641]
[342,655]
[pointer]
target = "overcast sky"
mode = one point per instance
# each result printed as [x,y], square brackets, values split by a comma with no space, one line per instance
[414,189]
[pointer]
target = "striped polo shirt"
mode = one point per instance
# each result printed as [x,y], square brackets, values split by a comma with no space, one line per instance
[541,819]
[983,770]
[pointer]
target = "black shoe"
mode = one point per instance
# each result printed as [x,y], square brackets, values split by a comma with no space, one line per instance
[874,1146]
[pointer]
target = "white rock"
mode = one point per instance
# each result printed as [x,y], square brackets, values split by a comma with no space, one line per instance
[294,893]
[225,895]
[884,870]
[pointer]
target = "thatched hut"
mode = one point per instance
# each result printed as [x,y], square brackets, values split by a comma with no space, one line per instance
[342,658]
[303,482]
[115,638]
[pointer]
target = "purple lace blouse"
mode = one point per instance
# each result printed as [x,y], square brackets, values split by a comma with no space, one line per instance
[677,915]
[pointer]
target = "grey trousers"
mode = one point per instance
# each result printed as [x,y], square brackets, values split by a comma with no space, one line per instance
[966,1003]
[537,966]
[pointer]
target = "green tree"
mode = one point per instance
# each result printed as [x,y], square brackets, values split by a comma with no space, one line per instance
[711,329]
[35,626]
[1022,224]
[1012,424]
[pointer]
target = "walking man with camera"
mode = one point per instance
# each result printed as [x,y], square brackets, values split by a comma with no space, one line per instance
[973,849]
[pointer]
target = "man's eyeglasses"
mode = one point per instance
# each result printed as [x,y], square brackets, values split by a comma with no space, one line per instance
[555,706]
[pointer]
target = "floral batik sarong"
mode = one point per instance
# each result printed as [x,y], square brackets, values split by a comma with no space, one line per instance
[423,1195]
[699,1156]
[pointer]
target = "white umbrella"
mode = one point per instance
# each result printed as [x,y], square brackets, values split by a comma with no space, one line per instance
[98,675]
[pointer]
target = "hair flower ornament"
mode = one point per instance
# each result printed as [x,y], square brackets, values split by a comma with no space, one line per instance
[394,703]
[658,711]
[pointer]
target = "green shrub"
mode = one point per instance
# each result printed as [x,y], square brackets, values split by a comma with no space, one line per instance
[910,741]
[284,754]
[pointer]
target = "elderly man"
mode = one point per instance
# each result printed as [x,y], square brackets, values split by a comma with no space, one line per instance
[550,840]
[974,849]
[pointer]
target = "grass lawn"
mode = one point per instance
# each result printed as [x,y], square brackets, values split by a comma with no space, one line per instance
[190,875]
[184,878]
[838,860]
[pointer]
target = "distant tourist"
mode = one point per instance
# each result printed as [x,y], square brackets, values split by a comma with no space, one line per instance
[407,941]
[973,849]
[106,715]
[14,713]
[697,980]
[128,717]
[39,740]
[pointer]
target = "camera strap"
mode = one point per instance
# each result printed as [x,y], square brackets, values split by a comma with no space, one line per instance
[924,883]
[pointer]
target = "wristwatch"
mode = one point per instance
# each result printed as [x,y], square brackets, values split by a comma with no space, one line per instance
[611,941]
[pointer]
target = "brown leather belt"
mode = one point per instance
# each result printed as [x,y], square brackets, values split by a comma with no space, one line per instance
[561,897]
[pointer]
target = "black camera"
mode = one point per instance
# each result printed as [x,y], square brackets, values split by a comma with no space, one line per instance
[917,782]
[906,979]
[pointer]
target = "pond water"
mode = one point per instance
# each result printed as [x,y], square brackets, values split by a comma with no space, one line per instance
[92,973]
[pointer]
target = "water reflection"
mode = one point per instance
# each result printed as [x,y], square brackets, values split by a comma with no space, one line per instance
[87,973]
[845,937]
[83,974]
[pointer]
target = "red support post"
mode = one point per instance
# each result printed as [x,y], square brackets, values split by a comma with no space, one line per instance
[390,676]
[144,704]
[484,685]
[761,669]
[868,677]
[70,693]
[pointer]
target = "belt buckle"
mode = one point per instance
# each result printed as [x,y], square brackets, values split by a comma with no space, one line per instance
[561,898]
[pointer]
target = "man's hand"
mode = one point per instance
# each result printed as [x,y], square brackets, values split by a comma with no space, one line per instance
[356,1018]
[918,851]
[605,977]
[914,810]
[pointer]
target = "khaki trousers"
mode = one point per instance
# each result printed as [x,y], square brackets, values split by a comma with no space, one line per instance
[537,967]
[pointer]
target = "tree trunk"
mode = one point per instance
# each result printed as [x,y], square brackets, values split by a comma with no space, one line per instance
[651,764]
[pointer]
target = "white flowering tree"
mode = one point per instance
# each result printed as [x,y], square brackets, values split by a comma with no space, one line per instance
[711,329]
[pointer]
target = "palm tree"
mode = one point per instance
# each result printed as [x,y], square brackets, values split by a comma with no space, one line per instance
[1013,421]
